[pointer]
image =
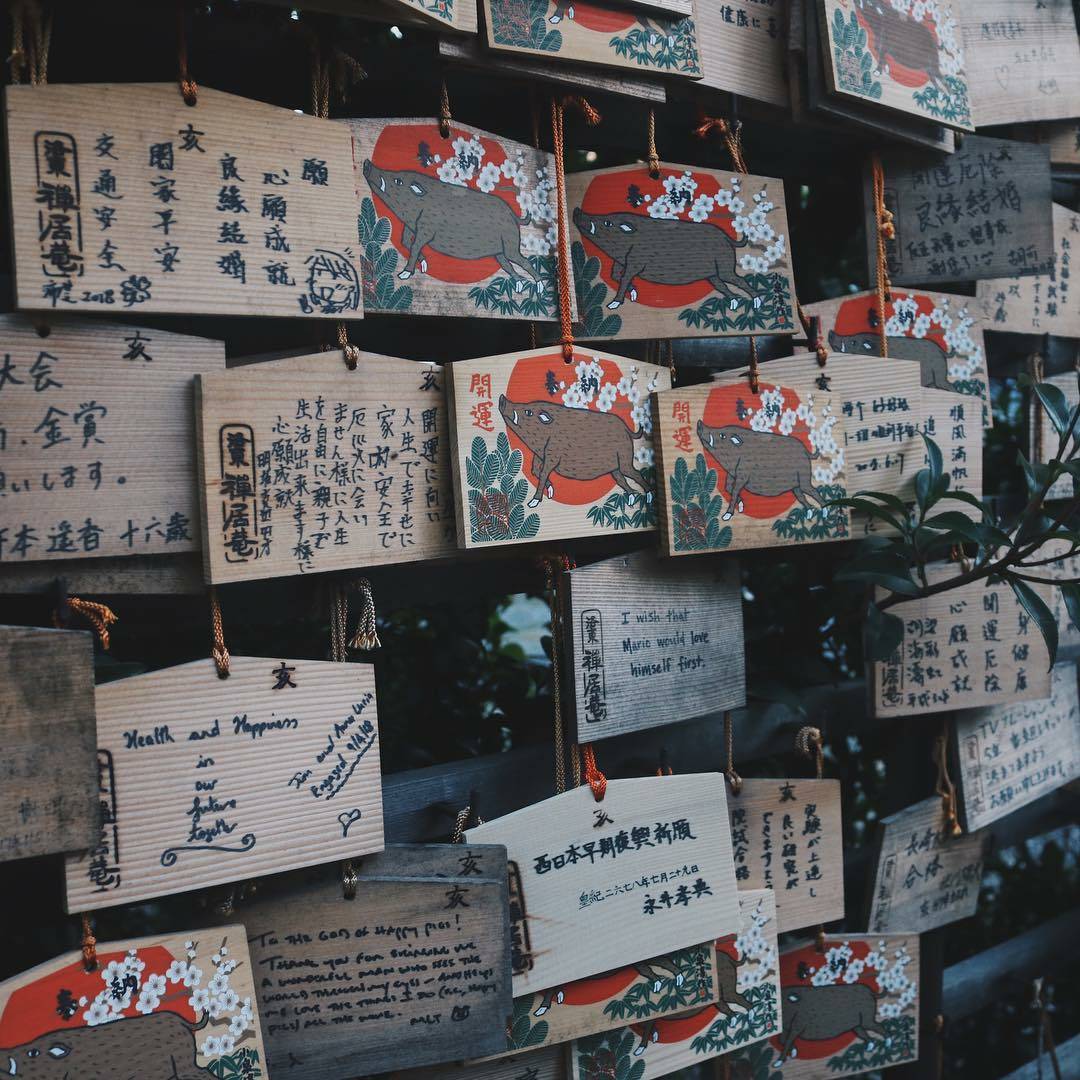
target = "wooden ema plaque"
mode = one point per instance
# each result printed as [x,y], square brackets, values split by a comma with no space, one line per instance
[1067,568]
[180,1005]
[308,467]
[49,800]
[1011,755]
[747,1012]
[884,53]
[126,200]
[1041,303]
[849,1009]
[692,253]
[207,780]
[788,837]
[545,450]
[744,52]
[414,970]
[97,457]
[743,470]
[547,1063]
[590,881]
[650,643]
[1044,439]
[924,877]
[595,32]
[982,212]
[464,225]
[1062,139]
[965,648]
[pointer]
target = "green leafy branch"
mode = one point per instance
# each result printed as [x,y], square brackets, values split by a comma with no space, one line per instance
[591,296]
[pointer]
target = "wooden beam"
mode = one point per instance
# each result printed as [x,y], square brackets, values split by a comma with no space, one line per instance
[1068,1056]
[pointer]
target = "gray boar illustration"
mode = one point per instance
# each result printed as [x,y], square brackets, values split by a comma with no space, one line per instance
[160,1046]
[663,251]
[761,463]
[824,1012]
[453,220]
[932,358]
[901,38]
[578,444]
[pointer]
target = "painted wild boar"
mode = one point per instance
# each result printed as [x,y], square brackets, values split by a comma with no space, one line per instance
[453,220]
[160,1046]
[824,1012]
[663,251]
[761,463]
[583,995]
[932,359]
[578,444]
[901,38]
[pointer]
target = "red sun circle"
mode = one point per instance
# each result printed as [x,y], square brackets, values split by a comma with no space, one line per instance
[912,78]
[604,22]
[859,316]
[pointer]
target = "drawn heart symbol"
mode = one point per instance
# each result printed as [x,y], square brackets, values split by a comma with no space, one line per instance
[1002,76]
[348,818]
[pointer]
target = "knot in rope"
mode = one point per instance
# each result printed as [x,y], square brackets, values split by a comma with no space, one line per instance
[99,616]
[596,780]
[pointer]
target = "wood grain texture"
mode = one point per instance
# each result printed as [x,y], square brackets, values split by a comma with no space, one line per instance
[788,837]
[180,1004]
[589,894]
[147,575]
[576,461]
[547,1063]
[675,7]
[884,56]
[924,877]
[749,965]
[309,467]
[1043,446]
[210,780]
[48,765]
[971,646]
[97,459]
[425,14]
[1067,568]
[679,255]
[125,199]
[1022,60]
[651,643]
[985,212]
[743,50]
[597,33]
[1010,755]
[1039,303]
[736,469]
[1063,140]
[463,225]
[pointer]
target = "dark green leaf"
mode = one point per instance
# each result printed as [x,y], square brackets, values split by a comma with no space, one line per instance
[894,583]
[884,632]
[1043,617]
[1053,401]
[933,459]
[1070,593]
[967,497]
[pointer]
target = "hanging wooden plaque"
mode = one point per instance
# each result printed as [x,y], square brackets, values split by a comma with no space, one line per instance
[849,1009]
[210,780]
[691,253]
[178,1005]
[924,876]
[788,837]
[414,970]
[970,646]
[649,643]
[1011,755]
[595,32]
[426,14]
[599,885]
[1044,439]
[95,459]
[545,450]
[983,212]
[48,801]
[547,1063]
[747,1012]
[886,53]
[1042,303]
[743,470]
[743,50]
[309,467]
[126,200]
[462,225]
[1063,140]
[1066,568]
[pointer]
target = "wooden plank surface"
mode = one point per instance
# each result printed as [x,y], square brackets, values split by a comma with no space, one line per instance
[969,647]
[1067,568]
[307,466]
[984,212]
[542,450]
[49,768]
[1044,439]
[924,877]
[1010,755]
[425,14]
[146,575]
[97,459]
[180,1004]
[749,974]
[1063,139]
[547,1063]
[651,643]
[598,885]
[692,253]
[736,469]
[743,50]
[124,199]
[1068,1058]
[788,837]
[463,225]
[208,780]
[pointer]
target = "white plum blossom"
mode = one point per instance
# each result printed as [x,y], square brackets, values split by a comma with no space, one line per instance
[200,999]
[644,456]
[642,417]
[238,1025]
[702,208]
[606,398]
[573,398]
[211,1046]
[99,1013]
[966,357]
[228,999]
[488,178]
[218,984]
[757,954]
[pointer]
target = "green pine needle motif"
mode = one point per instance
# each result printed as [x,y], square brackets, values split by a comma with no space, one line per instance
[379,263]
[729,1031]
[596,320]
[523,1033]
[852,60]
[803,524]
[695,510]
[898,1045]
[673,50]
[497,494]
[519,296]
[617,511]
[523,24]
[608,1055]
[243,1065]
[948,102]
[739,315]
